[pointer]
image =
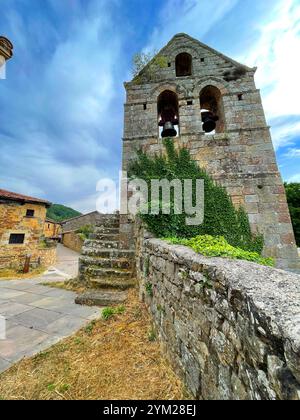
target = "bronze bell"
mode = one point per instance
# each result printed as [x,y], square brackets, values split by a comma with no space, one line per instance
[209,121]
[169,130]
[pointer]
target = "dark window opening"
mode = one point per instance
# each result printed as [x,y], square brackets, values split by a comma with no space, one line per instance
[30,213]
[212,110]
[145,107]
[17,238]
[168,114]
[202,60]
[189,103]
[48,226]
[183,65]
[240,97]
[169,64]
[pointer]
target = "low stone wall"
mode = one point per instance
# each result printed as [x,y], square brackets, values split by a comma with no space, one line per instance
[45,257]
[231,329]
[73,241]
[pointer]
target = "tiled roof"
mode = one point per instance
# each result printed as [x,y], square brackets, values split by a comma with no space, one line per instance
[8,195]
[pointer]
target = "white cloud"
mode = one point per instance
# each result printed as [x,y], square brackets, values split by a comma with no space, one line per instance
[277,56]
[60,126]
[292,153]
[195,17]
[294,178]
[284,134]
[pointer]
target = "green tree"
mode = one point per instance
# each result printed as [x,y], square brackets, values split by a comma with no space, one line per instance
[221,218]
[147,65]
[293,197]
[59,213]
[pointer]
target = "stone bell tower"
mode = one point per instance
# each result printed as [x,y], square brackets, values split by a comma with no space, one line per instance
[209,103]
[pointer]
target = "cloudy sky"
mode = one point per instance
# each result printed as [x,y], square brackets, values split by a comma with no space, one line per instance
[62,102]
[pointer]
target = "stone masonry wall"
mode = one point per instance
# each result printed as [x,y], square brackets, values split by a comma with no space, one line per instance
[73,241]
[13,220]
[84,220]
[230,328]
[241,158]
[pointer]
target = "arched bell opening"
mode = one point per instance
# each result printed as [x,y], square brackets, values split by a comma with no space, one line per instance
[168,114]
[184,65]
[212,110]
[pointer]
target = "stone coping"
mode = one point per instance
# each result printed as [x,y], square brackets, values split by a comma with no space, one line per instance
[274,293]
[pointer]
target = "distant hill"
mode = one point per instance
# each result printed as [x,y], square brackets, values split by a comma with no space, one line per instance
[58,212]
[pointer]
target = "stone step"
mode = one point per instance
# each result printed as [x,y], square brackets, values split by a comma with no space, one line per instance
[107,230]
[126,263]
[101,244]
[95,272]
[101,298]
[113,223]
[108,253]
[112,283]
[105,236]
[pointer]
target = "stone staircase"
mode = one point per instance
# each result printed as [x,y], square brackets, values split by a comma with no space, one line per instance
[103,264]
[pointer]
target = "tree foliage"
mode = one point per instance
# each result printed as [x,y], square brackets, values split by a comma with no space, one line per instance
[293,197]
[150,63]
[59,213]
[221,218]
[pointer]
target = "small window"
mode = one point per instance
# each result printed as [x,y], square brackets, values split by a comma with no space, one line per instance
[202,60]
[48,226]
[183,65]
[30,213]
[145,107]
[189,103]
[169,64]
[17,238]
[240,97]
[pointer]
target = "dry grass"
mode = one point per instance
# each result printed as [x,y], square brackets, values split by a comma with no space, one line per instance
[70,285]
[10,274]
[115,359]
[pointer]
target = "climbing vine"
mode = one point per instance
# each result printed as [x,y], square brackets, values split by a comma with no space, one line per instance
[221,218]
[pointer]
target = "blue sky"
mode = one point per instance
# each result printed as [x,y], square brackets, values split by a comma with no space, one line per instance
[61,116]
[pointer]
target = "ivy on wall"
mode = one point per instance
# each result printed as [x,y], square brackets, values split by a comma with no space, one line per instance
[221,218]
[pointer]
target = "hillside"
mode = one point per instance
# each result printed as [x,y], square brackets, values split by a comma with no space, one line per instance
[58,212]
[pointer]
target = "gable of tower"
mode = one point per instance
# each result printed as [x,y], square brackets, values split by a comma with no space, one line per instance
[184,56]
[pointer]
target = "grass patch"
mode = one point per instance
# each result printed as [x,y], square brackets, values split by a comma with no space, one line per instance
[210,246]
[10,274]
[109,312]
[99,366]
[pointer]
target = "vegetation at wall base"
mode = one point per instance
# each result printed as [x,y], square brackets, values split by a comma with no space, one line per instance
[221,218]
[210,246]
[59,213]
[84,232]
[293,198]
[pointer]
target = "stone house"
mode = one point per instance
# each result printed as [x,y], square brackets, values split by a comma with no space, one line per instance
[22,221]
[215,111]
[52,229]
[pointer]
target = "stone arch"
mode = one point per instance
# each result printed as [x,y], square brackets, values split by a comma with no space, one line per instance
[189,49]
[213,81]
[168,113]
[173,87]
[212,109]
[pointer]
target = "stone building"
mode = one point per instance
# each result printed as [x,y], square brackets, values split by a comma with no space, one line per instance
[52,229]
[22,222]
[199,89]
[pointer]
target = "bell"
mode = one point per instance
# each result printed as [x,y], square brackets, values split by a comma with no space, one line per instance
[169,130]
[209,121]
